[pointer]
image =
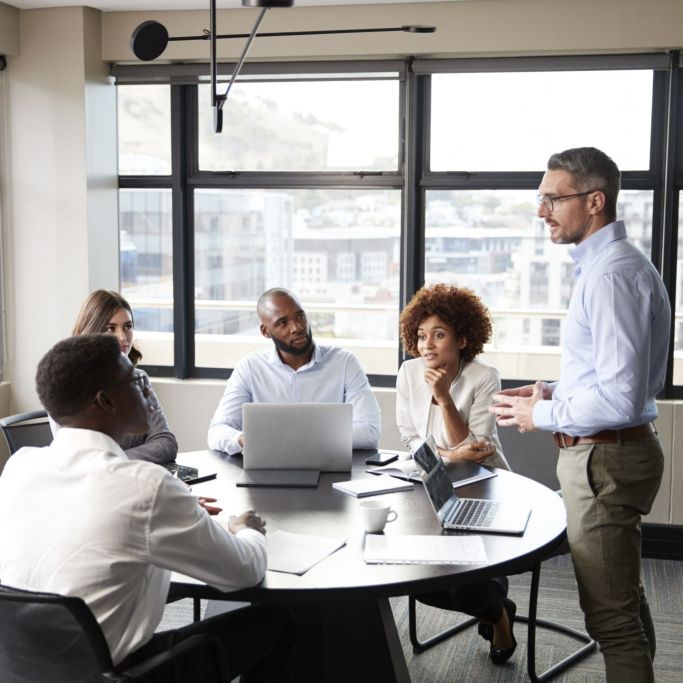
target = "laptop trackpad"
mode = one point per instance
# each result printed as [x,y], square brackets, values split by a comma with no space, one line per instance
[284,478]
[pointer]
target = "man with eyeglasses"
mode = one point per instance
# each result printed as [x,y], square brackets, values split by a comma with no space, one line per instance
[80,518]
[601,411]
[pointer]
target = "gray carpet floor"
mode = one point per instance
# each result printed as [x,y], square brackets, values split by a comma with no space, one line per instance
[464,657]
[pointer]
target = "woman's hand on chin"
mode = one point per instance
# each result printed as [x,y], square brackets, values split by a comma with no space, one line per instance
[476,451]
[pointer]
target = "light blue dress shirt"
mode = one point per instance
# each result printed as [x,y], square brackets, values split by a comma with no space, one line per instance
[616,338]
[333,375]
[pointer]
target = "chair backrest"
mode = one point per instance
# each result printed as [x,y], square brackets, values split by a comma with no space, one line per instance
[532,454]
[26,429]
[47,637]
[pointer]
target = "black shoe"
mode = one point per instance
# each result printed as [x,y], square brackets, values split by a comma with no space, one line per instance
[501,655]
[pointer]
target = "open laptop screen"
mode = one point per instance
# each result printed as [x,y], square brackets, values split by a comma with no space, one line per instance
[298,436]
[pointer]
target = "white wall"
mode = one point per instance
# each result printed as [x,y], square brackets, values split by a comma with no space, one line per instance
[485,27]
[4,410]
[58,184]
[9,30]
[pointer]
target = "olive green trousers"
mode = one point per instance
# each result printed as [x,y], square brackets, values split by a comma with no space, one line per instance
[606,489]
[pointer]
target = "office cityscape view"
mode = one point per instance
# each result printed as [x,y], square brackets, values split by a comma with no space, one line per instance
[339,249]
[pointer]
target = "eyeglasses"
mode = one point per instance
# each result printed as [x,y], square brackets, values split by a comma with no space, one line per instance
[549,200]
[140,378]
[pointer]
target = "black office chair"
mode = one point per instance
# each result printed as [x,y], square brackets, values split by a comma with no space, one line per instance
[26,429]
[531,620]
[47,637]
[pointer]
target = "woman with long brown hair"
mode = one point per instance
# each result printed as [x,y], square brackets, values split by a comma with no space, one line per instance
[107,312]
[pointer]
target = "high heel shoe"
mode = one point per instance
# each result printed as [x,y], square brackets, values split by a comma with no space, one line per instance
[485,630]
[500,655]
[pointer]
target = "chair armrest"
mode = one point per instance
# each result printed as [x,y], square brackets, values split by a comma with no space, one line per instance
[140,672]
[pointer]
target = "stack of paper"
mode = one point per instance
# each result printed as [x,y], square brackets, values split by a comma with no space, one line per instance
[410,549]
[372,486]
[297,553]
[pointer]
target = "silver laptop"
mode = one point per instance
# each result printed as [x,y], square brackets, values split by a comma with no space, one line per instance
[298,436]
[466,514]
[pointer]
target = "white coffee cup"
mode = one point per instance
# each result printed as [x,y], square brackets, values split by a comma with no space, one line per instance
[375,514]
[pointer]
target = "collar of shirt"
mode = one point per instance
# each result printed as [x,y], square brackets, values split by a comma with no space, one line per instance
[72,438]
[584,254]
[274,358]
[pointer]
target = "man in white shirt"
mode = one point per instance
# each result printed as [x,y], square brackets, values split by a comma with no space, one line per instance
[295,370]
[111,530]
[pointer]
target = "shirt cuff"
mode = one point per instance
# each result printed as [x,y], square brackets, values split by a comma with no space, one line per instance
[542,415]
[256,535]
[234,445]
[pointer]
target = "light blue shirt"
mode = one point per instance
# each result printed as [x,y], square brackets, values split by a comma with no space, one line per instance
[616,338]
[333,375]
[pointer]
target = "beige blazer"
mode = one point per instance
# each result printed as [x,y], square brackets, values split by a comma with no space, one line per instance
[471,390]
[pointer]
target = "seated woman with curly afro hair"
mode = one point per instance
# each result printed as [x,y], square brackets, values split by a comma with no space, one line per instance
[445,391]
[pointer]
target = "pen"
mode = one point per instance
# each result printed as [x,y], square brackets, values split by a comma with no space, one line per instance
[199,480]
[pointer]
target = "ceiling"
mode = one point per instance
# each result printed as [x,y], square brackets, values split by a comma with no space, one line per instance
[146,5]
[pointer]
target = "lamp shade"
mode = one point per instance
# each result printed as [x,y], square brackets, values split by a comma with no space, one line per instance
[149,40]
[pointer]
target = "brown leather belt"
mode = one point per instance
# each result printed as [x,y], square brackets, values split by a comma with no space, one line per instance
[606,436]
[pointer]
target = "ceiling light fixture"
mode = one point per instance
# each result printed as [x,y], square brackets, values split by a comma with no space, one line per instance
[150,39]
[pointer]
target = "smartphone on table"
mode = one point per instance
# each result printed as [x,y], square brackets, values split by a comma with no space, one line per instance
[381,458]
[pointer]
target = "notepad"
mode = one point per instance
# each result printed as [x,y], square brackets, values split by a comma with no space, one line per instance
[372,486]
[466,472]
[413,549]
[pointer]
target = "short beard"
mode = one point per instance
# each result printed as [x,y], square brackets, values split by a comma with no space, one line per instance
[295,350]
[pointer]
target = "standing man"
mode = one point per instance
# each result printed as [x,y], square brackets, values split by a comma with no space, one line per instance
[111,530]
[294,370]
[610,465]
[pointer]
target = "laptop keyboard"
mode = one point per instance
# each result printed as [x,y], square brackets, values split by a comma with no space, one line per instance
[470,512]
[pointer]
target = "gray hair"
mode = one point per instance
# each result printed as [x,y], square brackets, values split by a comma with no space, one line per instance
[591,169]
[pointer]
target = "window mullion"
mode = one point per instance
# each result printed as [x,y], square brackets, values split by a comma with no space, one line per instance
[183,100]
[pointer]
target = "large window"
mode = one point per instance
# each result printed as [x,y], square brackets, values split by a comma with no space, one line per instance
[337,249]
[303,190]
[510,121]
[305,125]
[354,184]
[488,132]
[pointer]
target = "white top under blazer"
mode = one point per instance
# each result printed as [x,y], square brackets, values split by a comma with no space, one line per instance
[472,391]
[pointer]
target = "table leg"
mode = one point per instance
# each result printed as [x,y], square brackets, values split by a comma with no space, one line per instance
[350,641]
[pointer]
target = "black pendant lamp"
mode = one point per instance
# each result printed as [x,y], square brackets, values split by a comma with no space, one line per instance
[149,40]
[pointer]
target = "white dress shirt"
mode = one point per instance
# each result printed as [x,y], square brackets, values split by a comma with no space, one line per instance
[616,337]
[471,391]
[79,518]
[333,375]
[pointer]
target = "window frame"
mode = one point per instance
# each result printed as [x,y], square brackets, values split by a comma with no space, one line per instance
[413,178]
[186,177]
